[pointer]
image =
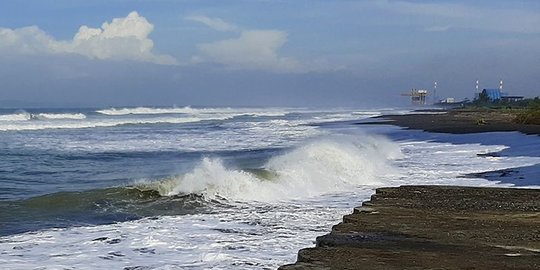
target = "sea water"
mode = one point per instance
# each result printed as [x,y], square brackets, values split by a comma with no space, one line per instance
[211,188]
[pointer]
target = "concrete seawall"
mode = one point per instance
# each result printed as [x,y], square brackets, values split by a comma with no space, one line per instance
[434,227]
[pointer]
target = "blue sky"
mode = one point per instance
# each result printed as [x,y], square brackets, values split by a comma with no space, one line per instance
[262,52]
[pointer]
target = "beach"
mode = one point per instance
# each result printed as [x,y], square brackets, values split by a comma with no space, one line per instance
[460,121]
[440,227]
[433,227]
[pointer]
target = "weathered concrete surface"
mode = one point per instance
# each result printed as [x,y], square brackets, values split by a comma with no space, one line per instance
[434,227]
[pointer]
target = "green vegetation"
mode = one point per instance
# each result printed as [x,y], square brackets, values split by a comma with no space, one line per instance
[527,111]
[483,102]
[531,114]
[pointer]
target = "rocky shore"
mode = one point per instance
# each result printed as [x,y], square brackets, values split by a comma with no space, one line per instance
[433,227]
[460,122]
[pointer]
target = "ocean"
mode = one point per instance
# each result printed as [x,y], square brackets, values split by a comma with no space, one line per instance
[214,188]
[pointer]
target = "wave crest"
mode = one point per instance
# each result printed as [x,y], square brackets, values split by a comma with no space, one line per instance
[18,116]
[58,116]
[147,110]
[321,166]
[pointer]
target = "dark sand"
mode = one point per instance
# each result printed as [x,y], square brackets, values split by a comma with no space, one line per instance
[460,122]
[434,227]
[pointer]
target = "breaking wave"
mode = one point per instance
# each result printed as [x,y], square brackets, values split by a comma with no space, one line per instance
[192,111]
[40,125]
[54,116]
[26,116]
[321,166]
[18,116]
[146,110]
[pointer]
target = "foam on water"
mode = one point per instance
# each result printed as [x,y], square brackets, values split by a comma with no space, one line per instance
[71,124]
[19,116]
[190,110]
[318,167]
[266,213]
[52,116]
[147,110]
[344,116]
[252,234]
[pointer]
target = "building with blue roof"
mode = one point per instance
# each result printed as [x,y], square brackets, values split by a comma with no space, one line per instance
[492,94]
[496,94]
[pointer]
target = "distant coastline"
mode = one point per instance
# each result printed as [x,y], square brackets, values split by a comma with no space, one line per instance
[460,121]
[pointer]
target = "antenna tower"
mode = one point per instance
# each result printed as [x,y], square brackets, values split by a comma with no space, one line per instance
[435,92]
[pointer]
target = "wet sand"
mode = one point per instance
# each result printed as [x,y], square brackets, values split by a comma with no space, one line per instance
[459,122]
[434,227]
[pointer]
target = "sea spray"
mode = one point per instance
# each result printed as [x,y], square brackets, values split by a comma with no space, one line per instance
[271,112]
[75,123]
[57,116]
[146,110]
[320,166]
[17,116]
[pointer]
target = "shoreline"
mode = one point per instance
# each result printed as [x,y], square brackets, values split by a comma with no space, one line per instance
[433,227]
[458,122]
[438,227]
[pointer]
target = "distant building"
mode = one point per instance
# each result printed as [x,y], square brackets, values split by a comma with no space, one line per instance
[449,100]
[512,98]
[492,94]
[496,94]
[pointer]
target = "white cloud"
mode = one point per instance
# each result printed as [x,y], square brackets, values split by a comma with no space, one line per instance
[214,23]
[437,29]
[122,39]
[254,49]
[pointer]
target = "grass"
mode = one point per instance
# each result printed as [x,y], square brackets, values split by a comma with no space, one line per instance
[526,111]
[530,115]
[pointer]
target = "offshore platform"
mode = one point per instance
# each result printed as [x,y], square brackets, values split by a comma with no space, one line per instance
[418,96]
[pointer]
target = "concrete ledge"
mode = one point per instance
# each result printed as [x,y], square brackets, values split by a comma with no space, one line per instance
[434,227]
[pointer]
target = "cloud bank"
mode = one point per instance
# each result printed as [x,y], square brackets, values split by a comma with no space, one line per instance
[121,39]
[252,50]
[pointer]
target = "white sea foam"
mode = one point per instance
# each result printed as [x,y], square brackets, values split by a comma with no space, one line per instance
[247,236]
[53,116]
[344,116]
[144,110]
[19,116]
[263,235]
[173,110]
[320,166]
[71,124]
[255,112]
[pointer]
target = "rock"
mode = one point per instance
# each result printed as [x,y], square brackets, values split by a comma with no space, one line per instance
[434,227]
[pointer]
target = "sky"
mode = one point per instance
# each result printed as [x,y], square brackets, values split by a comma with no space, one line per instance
[308,53]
